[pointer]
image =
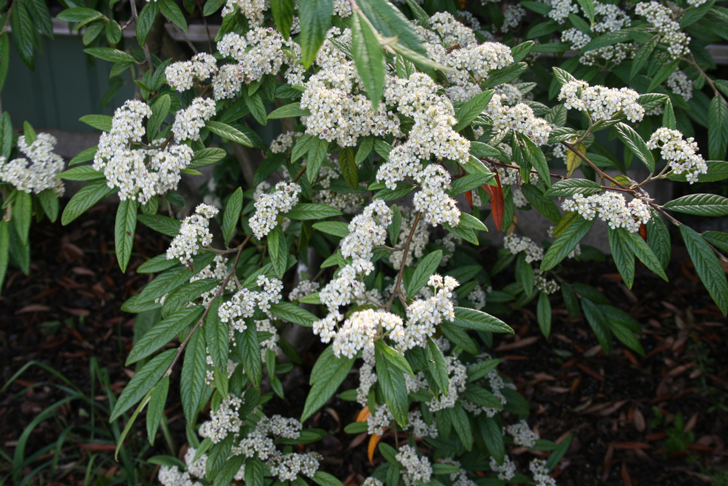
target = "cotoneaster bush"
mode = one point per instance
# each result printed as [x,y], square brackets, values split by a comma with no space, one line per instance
[404,127]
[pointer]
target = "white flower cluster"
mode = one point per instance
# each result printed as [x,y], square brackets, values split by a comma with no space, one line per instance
[225,421]
[423,315]
[251,9]
[516,244]
[682,155]
[380,420]
[522,434]
[680,84]
[432,200]
[460,478]
[419,426]
[342,8]
[219,272]
[611,208]
[512,17]
[340,109]
[496,384]
[542,284]
[519,118]
[262,51]
[506,471]
[372,482]
[193,233]
[601,103]
[541,473]
[43,168]
[560,10]
[477,297]
[268,206]
[611,18]
[304,288]
[172,476]
[615,53]
[449,241]
[366,230]
[181,75]
[367,376]
[458,374]
[244,302]
[481,59]
[418,468]
[420,238]
[451,32]
[127,168]
[662,18]
[188,122]
[284,141]
[359,330]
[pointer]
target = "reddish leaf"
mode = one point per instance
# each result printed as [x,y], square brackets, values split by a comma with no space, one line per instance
[496,201]
[469,198]
[643,232]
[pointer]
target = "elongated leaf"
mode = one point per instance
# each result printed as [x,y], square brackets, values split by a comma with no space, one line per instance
[328,373]
[315,20]
[310,211]
[317,150]
[283,15]
[192,381]
[232,215]
[4,251]
[438,366]
[634,142]
[598,323]
[426,267]
[566,242]
[156,408]
[22,215]
[293,313]
[110,54]
[390,22]
[278,250]
[700,204]
[368,57]
[461,423]
[349,169]
[23,32]
[146,20]
[492,435]
[99,122]
[163,332]
[228,132]
[718,128]
[643,252]
[470,110]
[84,199]
[480,321]
[394,389]
[143,381]
[163,224]
[623,257]
[336,228]
[707,266]
[571,187]
[126,218]
[541,202]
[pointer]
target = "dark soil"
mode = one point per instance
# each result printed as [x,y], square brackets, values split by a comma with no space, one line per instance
[621,408]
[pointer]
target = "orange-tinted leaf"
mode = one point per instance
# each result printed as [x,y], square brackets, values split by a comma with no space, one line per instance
[643,232]
[497,204]
[363,414]
[373,446]
[469,198]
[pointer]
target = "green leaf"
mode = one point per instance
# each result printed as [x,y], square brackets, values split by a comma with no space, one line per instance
[461,422]
[349,169]
[662,74]
[390,22]
[693,14]
[283,15]
[81,173]
[608,39]
[288,111]
[634,142]
[77,14]
[293,313]
[598,323]
[571,187]
[113,32]
[173,13]
[232,215]
[146,20]
[707,266]
[470,110]
[217,336]
[536,157]
[184,294]
[4,251]
[717,171]
[559,452]
[699,204]
[257,108]
[317,149]
[643,55]
[49,201]
[425,268]
[717,239]
[310,211]
[109,54]
[315,20]
[718,128]
[393,357]
[6,135]
[481,396]
[623,257]
[480,321]
[250,347]
[160,110]
[587,7]
[470,221]
[642,251]
[325,479]
[156,408]
[658,237]
[143,381]
[24,32]
[566,242]
[524,274]
[126,218]
[22,214]
[192,381]
[84,199]
[278,250]
[479,370]
[437,366]
[492,435]
[207,156]
[327,374]
[368,57]
[336,228]
[394,389]
[228,132]
[99,122]
[163,224]
[84,156]
[541,202]
[163,332]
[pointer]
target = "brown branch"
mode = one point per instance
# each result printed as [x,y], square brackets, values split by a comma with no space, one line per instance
[593,166]
[395,290]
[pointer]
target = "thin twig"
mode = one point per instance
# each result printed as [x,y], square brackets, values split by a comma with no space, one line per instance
[395,290]
[146,47]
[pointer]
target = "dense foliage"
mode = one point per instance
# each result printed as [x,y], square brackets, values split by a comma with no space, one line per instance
[404,127]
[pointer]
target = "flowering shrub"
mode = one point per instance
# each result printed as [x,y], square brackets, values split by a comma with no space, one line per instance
[380,103]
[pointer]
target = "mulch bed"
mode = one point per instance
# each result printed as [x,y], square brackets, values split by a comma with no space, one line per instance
[621,408]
